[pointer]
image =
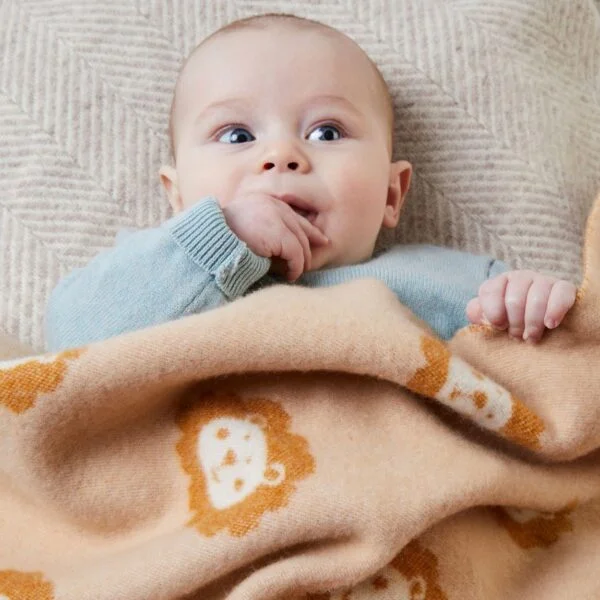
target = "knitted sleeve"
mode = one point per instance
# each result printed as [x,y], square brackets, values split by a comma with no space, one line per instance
[191,263]
[435,283]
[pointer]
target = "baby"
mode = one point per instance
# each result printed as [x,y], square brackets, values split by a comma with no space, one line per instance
[281,131]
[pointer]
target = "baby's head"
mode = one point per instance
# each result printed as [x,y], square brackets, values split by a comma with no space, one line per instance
[294,109]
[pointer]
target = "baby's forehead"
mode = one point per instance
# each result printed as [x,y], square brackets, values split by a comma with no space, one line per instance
[323,49]
[327,43]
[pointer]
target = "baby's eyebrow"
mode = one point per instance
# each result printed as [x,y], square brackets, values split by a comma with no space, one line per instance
[232,104]
[333,99]
[240,105]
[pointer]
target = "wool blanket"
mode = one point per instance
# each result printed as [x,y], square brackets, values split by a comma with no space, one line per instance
[307,444]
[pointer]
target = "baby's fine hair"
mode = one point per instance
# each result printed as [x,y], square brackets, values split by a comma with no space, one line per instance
[261,22]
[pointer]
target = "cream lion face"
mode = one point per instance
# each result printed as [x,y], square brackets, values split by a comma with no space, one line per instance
[475,396]
[233,456]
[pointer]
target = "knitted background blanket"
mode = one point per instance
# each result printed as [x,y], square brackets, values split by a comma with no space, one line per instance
[310,444]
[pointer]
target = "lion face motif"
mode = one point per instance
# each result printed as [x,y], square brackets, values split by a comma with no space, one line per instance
[233,453]
[534,529]
[475,396]
[389,584]
[412,575]
[23,380]
[242,461]
[453,382]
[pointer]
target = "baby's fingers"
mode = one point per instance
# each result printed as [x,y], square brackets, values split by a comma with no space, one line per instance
[475,313]
[292,223]
[313,233]
[293,253]
[535,309]
[491,299]
[562,297]
[515,299]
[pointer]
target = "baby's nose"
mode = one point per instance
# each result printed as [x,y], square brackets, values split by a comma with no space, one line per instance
[292,165]
[284,156]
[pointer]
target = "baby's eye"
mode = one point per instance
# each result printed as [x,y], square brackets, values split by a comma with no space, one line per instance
[325,133]
[236,135]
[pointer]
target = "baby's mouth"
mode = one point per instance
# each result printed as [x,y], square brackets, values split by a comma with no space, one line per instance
[309,215]
[300,207]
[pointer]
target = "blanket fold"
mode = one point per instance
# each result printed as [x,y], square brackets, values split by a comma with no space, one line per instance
[307,444]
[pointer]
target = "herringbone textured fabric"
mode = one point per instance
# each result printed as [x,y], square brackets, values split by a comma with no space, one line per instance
[498,105]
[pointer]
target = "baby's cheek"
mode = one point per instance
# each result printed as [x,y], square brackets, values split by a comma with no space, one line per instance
[196,183]
[366,206]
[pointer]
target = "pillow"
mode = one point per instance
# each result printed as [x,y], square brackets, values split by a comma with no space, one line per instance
[498,108]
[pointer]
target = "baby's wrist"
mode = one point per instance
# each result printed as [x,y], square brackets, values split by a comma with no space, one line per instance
[204,235]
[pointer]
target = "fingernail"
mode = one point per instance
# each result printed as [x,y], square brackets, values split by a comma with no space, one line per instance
[550,323]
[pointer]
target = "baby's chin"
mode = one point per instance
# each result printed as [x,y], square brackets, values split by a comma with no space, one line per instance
[327,258]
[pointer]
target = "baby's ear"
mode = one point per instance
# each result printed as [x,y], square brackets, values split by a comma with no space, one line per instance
[400,176]
[168,177]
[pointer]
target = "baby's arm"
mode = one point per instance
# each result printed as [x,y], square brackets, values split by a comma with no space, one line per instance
[191,263]
[523,302]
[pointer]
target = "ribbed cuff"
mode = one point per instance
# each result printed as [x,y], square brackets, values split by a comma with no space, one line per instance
[203,234]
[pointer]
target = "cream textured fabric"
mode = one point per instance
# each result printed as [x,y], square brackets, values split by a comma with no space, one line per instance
[498,105]
[10,348]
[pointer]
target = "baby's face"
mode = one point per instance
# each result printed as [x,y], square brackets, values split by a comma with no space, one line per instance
[296,114]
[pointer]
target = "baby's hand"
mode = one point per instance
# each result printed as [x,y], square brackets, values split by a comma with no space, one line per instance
[524,302]
[271,228]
